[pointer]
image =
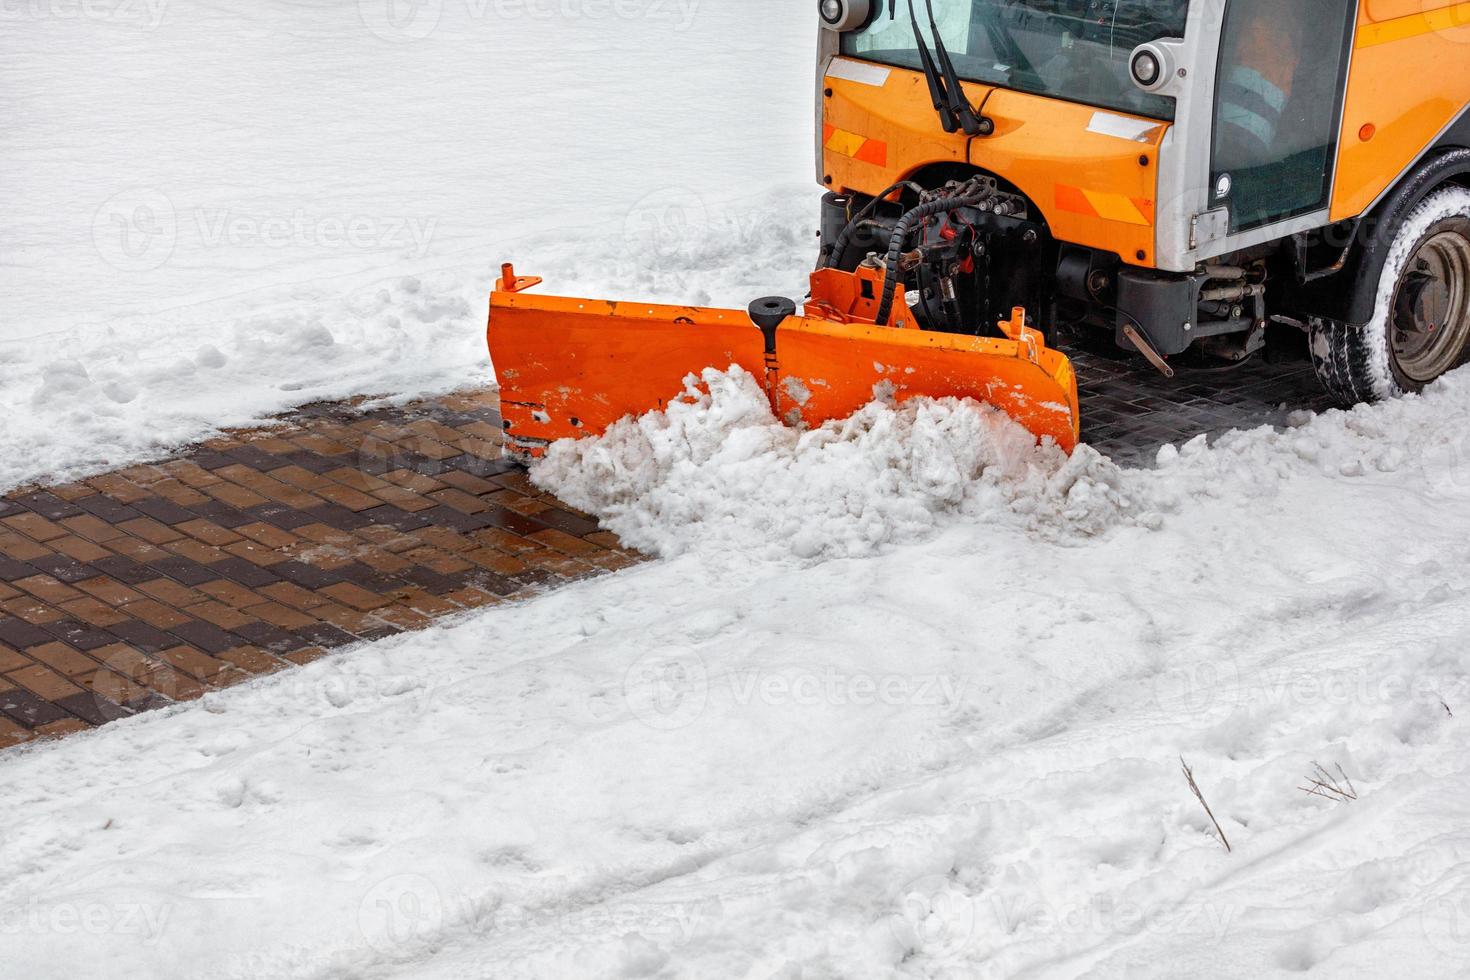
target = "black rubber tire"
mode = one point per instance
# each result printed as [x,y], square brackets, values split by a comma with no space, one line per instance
[1356,363]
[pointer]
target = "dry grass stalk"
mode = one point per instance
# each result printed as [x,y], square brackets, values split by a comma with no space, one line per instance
[1324,784]
[1194,788]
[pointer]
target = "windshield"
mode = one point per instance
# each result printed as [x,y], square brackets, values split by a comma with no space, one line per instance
[1070,49]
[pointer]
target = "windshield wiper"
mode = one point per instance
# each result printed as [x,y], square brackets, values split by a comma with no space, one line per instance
[937,92]
[959,104]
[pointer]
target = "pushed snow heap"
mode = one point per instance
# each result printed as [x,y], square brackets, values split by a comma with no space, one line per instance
[716,469]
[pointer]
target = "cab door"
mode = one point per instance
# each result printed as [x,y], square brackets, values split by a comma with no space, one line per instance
[1278,101]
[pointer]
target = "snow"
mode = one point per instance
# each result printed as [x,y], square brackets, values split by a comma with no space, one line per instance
[956,755]
[904,696]
[218,210]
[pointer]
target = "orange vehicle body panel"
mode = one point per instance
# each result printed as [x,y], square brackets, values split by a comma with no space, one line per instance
[1094,188]
[569,368]
[1410,77]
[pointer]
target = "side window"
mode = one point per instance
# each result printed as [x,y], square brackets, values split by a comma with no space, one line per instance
[1277,103]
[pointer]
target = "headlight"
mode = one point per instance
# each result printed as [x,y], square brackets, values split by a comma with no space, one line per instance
[1146,68]
[1153,65]
[844,15]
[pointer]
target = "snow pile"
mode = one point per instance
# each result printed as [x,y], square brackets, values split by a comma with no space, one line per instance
[717,471]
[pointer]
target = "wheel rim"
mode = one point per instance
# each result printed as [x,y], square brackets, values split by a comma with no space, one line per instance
[1431,307]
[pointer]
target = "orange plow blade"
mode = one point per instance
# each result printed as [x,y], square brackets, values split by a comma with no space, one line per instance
[570,367]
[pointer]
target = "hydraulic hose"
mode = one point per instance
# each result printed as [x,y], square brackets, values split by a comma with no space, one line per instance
[833,253]
[901,233]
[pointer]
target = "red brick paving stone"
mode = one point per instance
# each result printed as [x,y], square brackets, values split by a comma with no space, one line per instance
[33,611]
[496,561]
[139,551]
[300,658]
[151,531]
[12,734]
[232,594]
[19,548]
[79,549]
[13,659]
[109,591]
[235,495]
[563,542]
[61,727]
[208,532]
[46,588]
[279,615]
[43,682]
[266,536]
[155,614]
[34,526]
[196,551]
[92,528]
[219,614]
[294,596]
[252,659]
[353,500]
[209,669]
[94,611]
[255,553]
[355,596]
[62,658]
[171,592]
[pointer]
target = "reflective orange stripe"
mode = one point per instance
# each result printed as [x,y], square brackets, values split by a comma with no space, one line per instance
[1105,205]
[855,146]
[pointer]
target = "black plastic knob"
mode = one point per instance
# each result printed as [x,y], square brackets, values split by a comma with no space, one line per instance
[768,313]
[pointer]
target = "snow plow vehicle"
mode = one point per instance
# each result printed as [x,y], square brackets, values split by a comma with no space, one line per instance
[1172,175]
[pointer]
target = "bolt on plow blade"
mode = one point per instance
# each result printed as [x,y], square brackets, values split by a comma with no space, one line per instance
[570,367]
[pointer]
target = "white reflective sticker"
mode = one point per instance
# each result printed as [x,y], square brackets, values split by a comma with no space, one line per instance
[1124,128]
[858,71]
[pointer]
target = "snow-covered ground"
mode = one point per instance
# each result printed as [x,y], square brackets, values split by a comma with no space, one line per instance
[946,745]
[906,696]
[220,209]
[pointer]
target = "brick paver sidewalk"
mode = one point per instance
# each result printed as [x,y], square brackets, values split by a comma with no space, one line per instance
[262,550]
